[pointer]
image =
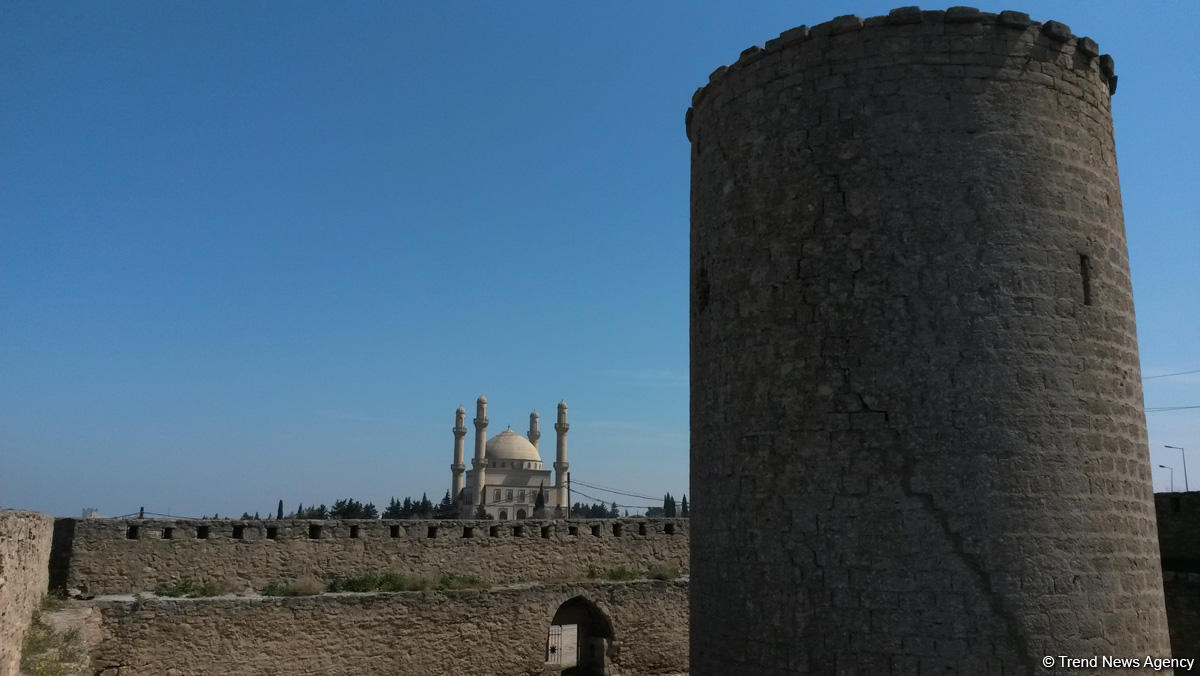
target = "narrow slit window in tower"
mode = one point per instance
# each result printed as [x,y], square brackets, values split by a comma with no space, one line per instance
[642,528]
[1085,274]
[546,532]
[394,531]
[354,531]
[131,532]
[314,531]
[616,530]
[239,532]
[596,530]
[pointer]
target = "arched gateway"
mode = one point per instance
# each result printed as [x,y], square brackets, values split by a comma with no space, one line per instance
[580,634]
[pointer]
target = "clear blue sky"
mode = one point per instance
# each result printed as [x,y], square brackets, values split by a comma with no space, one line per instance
[252,251]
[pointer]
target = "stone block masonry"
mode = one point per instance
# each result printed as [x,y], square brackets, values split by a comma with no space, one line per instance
[24,554]
[502,631]
[1179,530]
[109,556]
[1182,591]
[1179,543]
[918,440]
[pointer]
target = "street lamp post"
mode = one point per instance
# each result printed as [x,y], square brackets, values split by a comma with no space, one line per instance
[1172,476]
[1184,456]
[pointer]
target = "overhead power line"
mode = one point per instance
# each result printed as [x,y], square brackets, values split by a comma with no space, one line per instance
[601,501]
[1168,375]
[613,490]
[1157,409]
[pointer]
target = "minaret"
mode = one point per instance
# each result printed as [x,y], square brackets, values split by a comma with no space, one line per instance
[479,463]
[560,457]
[534,434]
[456,469]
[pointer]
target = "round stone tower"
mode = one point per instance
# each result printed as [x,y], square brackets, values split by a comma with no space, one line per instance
[918,439]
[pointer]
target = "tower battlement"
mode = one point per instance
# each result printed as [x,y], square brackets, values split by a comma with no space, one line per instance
[983,44]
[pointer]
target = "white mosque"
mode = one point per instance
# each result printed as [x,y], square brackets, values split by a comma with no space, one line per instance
[506,472]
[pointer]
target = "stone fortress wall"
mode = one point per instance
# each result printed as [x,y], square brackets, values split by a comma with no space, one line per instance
[112,556]
[24,550]
[1179,543]
[1179,530]
[916,407]
[500,631]
[529,570]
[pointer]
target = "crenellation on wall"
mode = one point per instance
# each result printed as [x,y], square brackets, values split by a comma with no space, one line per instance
[104,556]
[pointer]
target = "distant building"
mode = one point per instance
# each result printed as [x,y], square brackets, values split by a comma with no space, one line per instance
[91,513]
[506,472]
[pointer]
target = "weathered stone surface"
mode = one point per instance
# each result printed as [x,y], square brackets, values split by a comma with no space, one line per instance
[100,556]
[1056,31]
[502,631]
[1182,591]
[962,14]
[1087,47]
[1178,525]
[903,15]
[917,429]
[1014,19]
[844,24]
[24,554]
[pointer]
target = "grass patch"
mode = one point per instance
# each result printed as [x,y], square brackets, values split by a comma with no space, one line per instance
[657,571]
[660,571]
[46,652]
[452,581]
[398,582]
[305,586]
[369,582]
[190,590]
[622,573]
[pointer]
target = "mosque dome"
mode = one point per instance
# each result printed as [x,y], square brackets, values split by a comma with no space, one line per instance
[508,445]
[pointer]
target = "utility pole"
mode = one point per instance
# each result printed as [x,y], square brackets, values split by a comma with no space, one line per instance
[568,495]
[1172,476]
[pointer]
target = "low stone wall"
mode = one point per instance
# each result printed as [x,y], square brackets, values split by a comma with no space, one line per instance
[111,556]
[501,631]
[1178,525]
[1182,591]
[24,553]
